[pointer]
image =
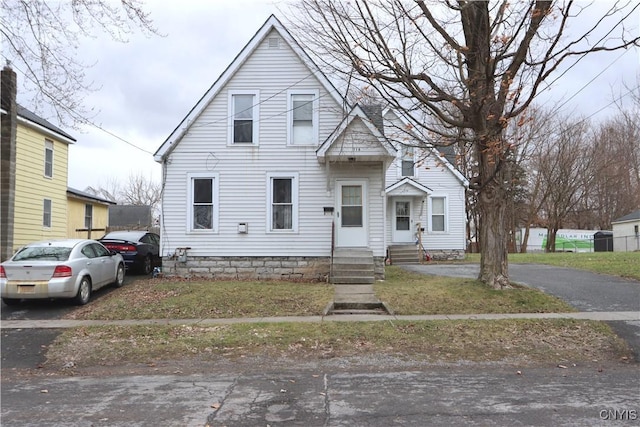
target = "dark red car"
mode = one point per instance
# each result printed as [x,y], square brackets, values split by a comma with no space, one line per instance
[140,249]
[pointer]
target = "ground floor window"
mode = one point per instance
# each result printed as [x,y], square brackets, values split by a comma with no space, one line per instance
[438,214]
[283,202]
[203,206]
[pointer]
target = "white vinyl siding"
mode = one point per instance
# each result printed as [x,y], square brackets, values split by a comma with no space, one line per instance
[48,159]
[46,213]
[203,203]
[243,194]
[244,116]
[302,117]
[283,202]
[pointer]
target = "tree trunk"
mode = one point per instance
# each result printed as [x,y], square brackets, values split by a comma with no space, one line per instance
[525,240]
[494,269]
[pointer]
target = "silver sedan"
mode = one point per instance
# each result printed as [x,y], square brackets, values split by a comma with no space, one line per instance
[71,268]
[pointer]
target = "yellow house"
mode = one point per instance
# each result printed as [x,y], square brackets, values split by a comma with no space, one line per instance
[41,172]
[88,215]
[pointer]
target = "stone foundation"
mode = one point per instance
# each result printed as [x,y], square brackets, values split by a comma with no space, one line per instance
[447,254]
[250,268]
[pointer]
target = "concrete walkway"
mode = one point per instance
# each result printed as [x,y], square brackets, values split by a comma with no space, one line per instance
[61,324]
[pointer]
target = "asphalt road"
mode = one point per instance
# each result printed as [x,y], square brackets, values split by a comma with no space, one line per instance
[333,396]
[583,290]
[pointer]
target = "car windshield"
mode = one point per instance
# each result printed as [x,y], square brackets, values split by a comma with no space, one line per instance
[53,253]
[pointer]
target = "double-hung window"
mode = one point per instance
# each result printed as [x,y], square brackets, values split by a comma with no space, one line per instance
[203,202]
[48,158]
[46,213]
[438,214]
[88,216]
[302,108]
[407,161]
[244,108]
[283,202]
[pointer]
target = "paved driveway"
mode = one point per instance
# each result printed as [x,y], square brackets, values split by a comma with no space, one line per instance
[584,290]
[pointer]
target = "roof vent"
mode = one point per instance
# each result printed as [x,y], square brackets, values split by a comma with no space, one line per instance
[274,43]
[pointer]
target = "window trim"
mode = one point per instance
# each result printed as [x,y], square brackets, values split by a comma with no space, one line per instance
[295,183]
[215,200]
[430,213]
[315,117]
[88,207]
[44,213]
[48,147]
[403,153]
[255,117]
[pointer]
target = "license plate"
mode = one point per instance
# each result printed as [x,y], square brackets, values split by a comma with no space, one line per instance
[26,289]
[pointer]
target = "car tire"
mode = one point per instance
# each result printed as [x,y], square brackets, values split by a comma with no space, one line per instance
[11,301]
[84,291]
[119,282]
[147,265]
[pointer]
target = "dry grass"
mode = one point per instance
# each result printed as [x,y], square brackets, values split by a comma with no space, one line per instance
[546,341]
[413,293]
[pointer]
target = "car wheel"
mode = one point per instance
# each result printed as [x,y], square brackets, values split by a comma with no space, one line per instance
[84,291]
[147,265]
[119,276]
[11,301]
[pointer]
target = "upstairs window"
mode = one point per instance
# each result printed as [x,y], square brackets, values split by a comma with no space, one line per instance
[244,117]
[48,159]
[407,161]
[303,118]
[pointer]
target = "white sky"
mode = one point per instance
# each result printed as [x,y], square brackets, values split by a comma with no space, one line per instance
[149,84]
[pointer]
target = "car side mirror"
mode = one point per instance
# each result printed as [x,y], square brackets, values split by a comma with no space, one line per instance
[113,253]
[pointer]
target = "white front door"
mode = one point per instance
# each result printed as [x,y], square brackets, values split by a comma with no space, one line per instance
[351,216]
[402,221]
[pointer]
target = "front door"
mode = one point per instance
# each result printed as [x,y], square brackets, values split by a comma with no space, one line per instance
[402,222]
[351,222]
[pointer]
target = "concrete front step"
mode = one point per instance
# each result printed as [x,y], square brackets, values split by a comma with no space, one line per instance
[352,266]
[357,308]
[404,254]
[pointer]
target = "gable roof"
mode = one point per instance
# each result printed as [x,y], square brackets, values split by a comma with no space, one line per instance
[356,113]
[30,118]
[89,197]
[443,154]
[407,186]
[629,217]
[272,23]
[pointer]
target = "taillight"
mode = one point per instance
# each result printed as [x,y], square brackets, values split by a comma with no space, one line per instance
[3,275]
[121,248]
[62,271]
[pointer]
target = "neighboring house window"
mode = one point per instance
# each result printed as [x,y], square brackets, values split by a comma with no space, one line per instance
[46,213]
[48,159]
[407,161]
[438,216]
[303,118]
[244,117]
[88,216]
[283,202]
[203,194]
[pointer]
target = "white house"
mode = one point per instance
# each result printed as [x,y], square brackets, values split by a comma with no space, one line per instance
[626,233]
[272,175]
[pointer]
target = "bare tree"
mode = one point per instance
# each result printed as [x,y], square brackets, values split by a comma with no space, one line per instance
[41,39]
[138,190]
[463,69]
[564,168]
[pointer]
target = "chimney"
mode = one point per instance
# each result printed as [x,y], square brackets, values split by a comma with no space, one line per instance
[8,126]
